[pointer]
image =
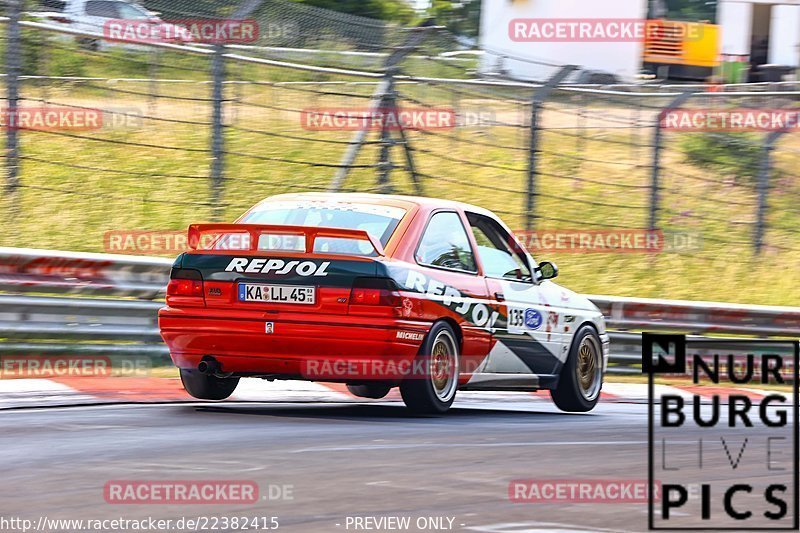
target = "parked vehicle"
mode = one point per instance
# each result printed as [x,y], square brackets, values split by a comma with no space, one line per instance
[99,16]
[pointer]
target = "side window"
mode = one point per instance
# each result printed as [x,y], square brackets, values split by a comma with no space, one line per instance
[54,5]
[129,12]
[499,253]
[445,244]
[102,8]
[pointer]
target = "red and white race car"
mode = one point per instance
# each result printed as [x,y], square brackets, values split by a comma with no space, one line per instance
[377,292]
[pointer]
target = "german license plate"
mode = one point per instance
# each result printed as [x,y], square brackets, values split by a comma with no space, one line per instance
[253,292]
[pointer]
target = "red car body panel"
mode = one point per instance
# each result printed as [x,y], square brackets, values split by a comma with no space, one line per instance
[333,329]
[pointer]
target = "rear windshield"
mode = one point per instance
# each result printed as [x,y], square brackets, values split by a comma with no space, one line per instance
[379,221]
[53,5]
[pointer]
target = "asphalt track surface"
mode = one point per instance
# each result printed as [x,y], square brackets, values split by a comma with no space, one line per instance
[342,460]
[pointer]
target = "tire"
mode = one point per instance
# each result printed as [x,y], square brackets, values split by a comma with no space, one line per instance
[205,387]
[92,45]
[581,378]
[432,387]
[372,390]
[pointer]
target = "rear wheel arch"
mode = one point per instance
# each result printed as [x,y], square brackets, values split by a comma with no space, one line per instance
[456,329]
[432,387]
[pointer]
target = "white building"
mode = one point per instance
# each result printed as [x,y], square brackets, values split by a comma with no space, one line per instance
[754,27]
[754,31]
[620,58]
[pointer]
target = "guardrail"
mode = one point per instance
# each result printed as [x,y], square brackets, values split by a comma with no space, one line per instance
[52,272]
[107,305]
[698,317]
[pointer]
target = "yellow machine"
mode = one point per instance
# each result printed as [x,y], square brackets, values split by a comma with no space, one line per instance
[687,50]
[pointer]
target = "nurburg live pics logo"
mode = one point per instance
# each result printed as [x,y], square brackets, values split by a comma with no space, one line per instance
[734,434]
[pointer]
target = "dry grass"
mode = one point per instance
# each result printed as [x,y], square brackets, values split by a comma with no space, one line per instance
[71,208]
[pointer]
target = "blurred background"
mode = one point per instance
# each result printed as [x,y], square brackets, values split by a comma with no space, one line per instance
[198,129]
[162,124]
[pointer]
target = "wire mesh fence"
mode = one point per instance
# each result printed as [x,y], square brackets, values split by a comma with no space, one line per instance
[201,126]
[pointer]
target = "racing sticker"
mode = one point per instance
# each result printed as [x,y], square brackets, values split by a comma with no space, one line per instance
[277,266]
[471,309]
[533,319]
[521,319]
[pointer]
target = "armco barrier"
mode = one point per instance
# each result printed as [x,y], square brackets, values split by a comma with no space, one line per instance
[699,317]
[84,318]
[52,272]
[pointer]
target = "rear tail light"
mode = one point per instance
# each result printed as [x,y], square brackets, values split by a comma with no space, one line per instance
[185,287]
[365,296]
[375,292]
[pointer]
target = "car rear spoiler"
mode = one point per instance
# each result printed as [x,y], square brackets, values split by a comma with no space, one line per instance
[311,234]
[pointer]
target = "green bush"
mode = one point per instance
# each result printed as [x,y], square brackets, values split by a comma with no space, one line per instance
[736,154]
[67,62]
[55,56]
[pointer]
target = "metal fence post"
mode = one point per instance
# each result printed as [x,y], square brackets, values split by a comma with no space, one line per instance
[13,68]
[217,127]
[152,84]
[539,96]
[357,141]
[217,141]
[383,95]
[388,105]
[655,177]
[762,187]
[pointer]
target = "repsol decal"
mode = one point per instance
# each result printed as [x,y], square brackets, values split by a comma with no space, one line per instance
[277,266]
[530,351]
[478,313]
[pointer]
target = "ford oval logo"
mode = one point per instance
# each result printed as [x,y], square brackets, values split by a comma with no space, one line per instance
[533,319]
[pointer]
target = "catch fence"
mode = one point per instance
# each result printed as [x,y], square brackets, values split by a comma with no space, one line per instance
[197,130]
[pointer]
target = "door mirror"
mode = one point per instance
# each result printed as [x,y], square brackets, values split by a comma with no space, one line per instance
[547,270]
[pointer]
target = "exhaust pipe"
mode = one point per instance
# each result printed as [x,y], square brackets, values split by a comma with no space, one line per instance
[208,366]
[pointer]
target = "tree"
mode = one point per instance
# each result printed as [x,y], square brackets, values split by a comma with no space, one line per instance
[397,11]
[690,10]
[388,10]
[460,17]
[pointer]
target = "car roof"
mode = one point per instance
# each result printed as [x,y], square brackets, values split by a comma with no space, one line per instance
[395,200]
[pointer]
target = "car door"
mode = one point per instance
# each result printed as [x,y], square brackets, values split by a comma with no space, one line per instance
[448,276]
[529,332]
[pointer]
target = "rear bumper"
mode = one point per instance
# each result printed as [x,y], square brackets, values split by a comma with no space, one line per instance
[313,347]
